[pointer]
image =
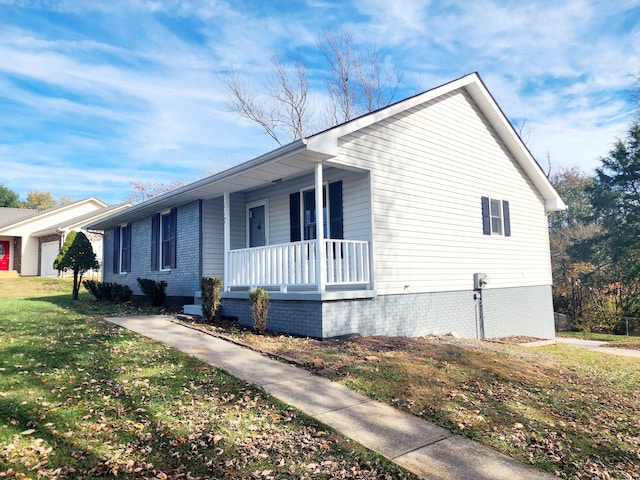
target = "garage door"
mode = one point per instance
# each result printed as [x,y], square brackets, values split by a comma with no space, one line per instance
[49,252]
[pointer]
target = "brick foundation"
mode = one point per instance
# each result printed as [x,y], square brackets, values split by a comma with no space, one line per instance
[510,311]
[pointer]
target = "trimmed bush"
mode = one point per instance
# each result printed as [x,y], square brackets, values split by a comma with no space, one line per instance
[108,292]
[211,291]
[121,293]
[259,309]
[155,291]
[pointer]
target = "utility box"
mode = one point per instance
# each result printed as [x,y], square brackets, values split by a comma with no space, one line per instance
[480,280]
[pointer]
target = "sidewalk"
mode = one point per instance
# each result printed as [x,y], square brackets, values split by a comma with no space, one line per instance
[597,346]
[427,450]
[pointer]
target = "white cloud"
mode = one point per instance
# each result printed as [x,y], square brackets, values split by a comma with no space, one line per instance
[142,92]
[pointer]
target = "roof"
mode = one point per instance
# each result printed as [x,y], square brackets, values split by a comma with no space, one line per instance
[81,220]
[299,156]
[11,218]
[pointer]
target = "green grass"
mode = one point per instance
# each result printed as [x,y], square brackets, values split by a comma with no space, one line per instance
[82,398]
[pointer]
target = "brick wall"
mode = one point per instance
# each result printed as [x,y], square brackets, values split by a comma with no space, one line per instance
[288,316]
[184,280]
[519,311]
[514,311]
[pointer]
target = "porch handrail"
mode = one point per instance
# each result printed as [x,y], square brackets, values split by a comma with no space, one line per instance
[294,264]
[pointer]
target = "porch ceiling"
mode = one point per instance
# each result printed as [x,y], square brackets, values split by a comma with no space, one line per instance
[287,162]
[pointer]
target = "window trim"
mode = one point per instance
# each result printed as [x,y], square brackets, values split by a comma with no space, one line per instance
[495,213]
[122,248]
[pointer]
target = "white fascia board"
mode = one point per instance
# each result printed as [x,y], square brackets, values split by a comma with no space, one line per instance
[504,128]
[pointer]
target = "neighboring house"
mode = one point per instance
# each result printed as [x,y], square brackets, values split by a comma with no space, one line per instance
[418,199]
[31,239]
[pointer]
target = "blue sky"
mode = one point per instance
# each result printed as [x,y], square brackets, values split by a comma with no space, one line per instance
[95,94]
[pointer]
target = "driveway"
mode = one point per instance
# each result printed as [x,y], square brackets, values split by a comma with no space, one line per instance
[598,346]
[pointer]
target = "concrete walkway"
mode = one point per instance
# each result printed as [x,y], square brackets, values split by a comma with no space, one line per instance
[425,449]
[598,346]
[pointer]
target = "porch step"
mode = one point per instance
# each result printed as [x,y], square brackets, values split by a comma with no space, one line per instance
[192,310]
[9,274]
[196,308]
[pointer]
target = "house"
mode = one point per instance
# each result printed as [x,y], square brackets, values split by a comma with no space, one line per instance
[434,220]
[31,239]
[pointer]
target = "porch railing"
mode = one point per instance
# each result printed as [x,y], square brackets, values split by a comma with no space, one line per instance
[294,264]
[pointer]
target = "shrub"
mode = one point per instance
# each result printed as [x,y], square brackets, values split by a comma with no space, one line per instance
[95,289]
[121,293]
[259,309]
[211,291]
[108,292]
[155,291]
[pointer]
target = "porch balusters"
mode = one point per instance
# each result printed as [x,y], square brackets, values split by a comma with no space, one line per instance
[295,264]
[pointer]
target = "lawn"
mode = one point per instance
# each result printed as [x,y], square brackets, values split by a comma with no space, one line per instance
[572,412]
[82,398]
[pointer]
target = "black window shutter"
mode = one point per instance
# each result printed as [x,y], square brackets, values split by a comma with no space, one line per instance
[126,248]
[294,216]
[155,238]
[335,210]
[116,250]
[507,218]
[486,216]
[174,236]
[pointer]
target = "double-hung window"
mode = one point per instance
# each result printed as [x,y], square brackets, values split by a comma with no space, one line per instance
[303,213]
[164,240]
[495,217]
[122,249]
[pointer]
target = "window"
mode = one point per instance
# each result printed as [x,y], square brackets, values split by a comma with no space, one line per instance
[495,217]
[163,240]
[309,213]
[122,249]
[302,210]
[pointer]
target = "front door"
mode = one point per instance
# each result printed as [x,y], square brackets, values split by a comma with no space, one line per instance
[4,255]
[257,226]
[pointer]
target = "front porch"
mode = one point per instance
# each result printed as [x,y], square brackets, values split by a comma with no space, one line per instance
[305,266]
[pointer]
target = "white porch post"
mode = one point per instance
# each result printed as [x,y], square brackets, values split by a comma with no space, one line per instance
[227,240]
[321,264]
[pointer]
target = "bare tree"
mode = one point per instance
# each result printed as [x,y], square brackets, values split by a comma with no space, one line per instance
[522,129]
[283,109]
[356,84]
[145,190]
[341,79]
[379,81]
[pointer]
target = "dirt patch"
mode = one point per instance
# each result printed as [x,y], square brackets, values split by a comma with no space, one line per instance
[517,339]
[628,346]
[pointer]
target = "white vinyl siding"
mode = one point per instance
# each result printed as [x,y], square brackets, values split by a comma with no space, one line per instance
[213,238]
[430,167]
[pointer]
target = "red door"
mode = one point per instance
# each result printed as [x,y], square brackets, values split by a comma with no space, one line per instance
[4,255]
